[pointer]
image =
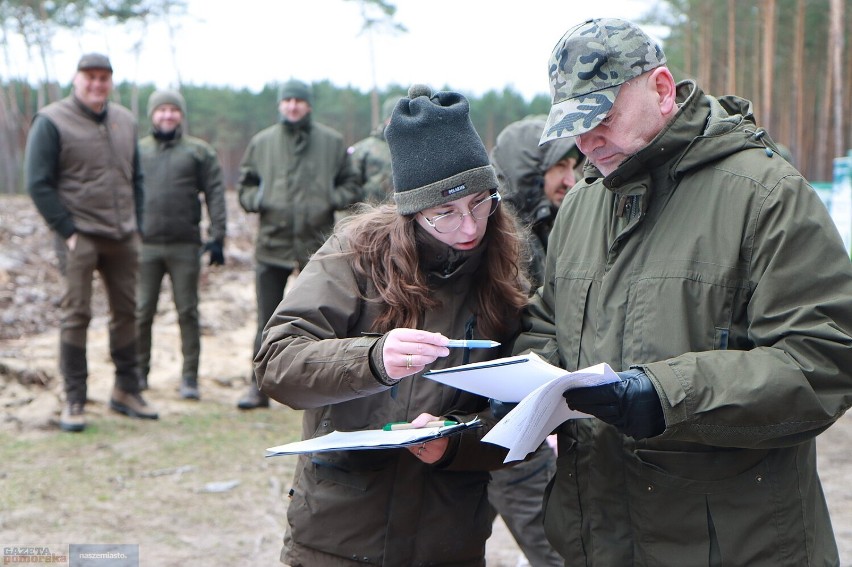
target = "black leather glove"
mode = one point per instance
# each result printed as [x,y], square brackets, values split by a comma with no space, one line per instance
[632,405]
[500,409]
[217,254]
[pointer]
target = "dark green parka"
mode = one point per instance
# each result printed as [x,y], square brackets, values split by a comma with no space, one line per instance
[712,264]
[295,177]
[176,171]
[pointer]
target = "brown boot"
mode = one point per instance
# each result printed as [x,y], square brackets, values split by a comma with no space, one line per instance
[131,405]
[73,418]
[253,399]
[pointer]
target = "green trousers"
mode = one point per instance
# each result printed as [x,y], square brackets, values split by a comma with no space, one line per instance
[181,262]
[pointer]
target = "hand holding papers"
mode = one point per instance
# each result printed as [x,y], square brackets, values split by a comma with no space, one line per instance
[536,384]
[370,439]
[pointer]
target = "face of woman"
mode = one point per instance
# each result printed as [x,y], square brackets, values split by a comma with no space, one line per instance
[469,213]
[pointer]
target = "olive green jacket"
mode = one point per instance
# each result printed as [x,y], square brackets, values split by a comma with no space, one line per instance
[176,172]
[383,507]
[371,160]
[707,260]
[296,194]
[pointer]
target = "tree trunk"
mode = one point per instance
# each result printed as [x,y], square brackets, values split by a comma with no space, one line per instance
[731,79]
[797,107]
[705,52]
[768,63]
[835,39]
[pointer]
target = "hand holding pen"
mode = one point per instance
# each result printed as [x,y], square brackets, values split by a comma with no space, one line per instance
[408,351]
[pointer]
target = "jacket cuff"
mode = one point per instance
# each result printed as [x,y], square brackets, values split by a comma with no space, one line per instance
[377,362]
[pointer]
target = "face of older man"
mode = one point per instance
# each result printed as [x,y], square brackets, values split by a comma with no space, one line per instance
[92,87]
[641,110]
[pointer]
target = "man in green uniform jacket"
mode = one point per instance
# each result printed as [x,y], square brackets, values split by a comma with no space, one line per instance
[178,169]
[295,175]
[703,268]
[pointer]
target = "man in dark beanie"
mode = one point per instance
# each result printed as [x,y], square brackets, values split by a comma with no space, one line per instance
[295,175]
[82,172]
[178,169]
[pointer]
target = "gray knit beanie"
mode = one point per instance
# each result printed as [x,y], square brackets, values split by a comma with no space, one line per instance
[436,154]
[166,97]
[295,89]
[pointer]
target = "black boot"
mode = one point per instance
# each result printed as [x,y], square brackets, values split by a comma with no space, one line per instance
[253,399]
[189,388]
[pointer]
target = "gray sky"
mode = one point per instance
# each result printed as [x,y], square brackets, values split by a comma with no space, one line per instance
[470,45]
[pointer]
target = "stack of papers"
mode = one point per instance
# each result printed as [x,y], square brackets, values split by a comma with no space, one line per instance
[369,439]
[534,383]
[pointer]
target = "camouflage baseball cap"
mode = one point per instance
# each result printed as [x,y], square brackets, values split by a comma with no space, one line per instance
[587,68]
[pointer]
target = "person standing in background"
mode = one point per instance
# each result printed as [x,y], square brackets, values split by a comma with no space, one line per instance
[82,172]
[371,160]
[178,169]
[295,175]
[534,180]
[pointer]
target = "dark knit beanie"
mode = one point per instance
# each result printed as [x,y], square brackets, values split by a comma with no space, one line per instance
[436,154]
[166,97]
[295,89]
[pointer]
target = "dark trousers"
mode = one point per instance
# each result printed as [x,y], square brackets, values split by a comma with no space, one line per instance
[117,263]
[181,261]
[516,493]
[270,282]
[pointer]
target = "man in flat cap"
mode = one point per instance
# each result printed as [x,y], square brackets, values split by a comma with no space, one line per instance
[82,172]
[294,174]
[705,270]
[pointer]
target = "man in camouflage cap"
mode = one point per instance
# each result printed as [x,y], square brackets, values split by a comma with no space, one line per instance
[584,88]
[705,270]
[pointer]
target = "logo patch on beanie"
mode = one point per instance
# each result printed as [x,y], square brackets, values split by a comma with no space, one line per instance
[454,190]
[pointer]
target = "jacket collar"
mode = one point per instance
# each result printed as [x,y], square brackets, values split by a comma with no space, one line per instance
[445,262]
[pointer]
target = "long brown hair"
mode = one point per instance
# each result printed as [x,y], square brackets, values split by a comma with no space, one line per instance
[383,249]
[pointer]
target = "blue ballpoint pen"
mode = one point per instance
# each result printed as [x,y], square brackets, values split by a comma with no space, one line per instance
[465,343]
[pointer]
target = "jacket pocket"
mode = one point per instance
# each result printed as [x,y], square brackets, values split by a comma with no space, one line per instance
[697,315]
[319,511]
[561,510]
[569,317]
[735,520]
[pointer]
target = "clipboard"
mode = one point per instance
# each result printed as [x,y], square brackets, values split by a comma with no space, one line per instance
[370,439]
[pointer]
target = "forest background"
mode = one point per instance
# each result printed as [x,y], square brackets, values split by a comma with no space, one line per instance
[789,57]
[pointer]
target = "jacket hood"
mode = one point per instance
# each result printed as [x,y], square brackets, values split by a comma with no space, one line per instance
[521,163]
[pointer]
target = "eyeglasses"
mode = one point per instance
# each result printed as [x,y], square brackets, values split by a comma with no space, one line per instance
[450,222]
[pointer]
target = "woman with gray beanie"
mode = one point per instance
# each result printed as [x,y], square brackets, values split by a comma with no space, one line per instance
[374,308]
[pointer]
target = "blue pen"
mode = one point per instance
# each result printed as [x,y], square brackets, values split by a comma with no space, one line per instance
[464,343]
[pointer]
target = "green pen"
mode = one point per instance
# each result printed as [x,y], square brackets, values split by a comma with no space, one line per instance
[403,425]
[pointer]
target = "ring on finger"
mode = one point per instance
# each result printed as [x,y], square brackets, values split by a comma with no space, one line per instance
[408,363]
